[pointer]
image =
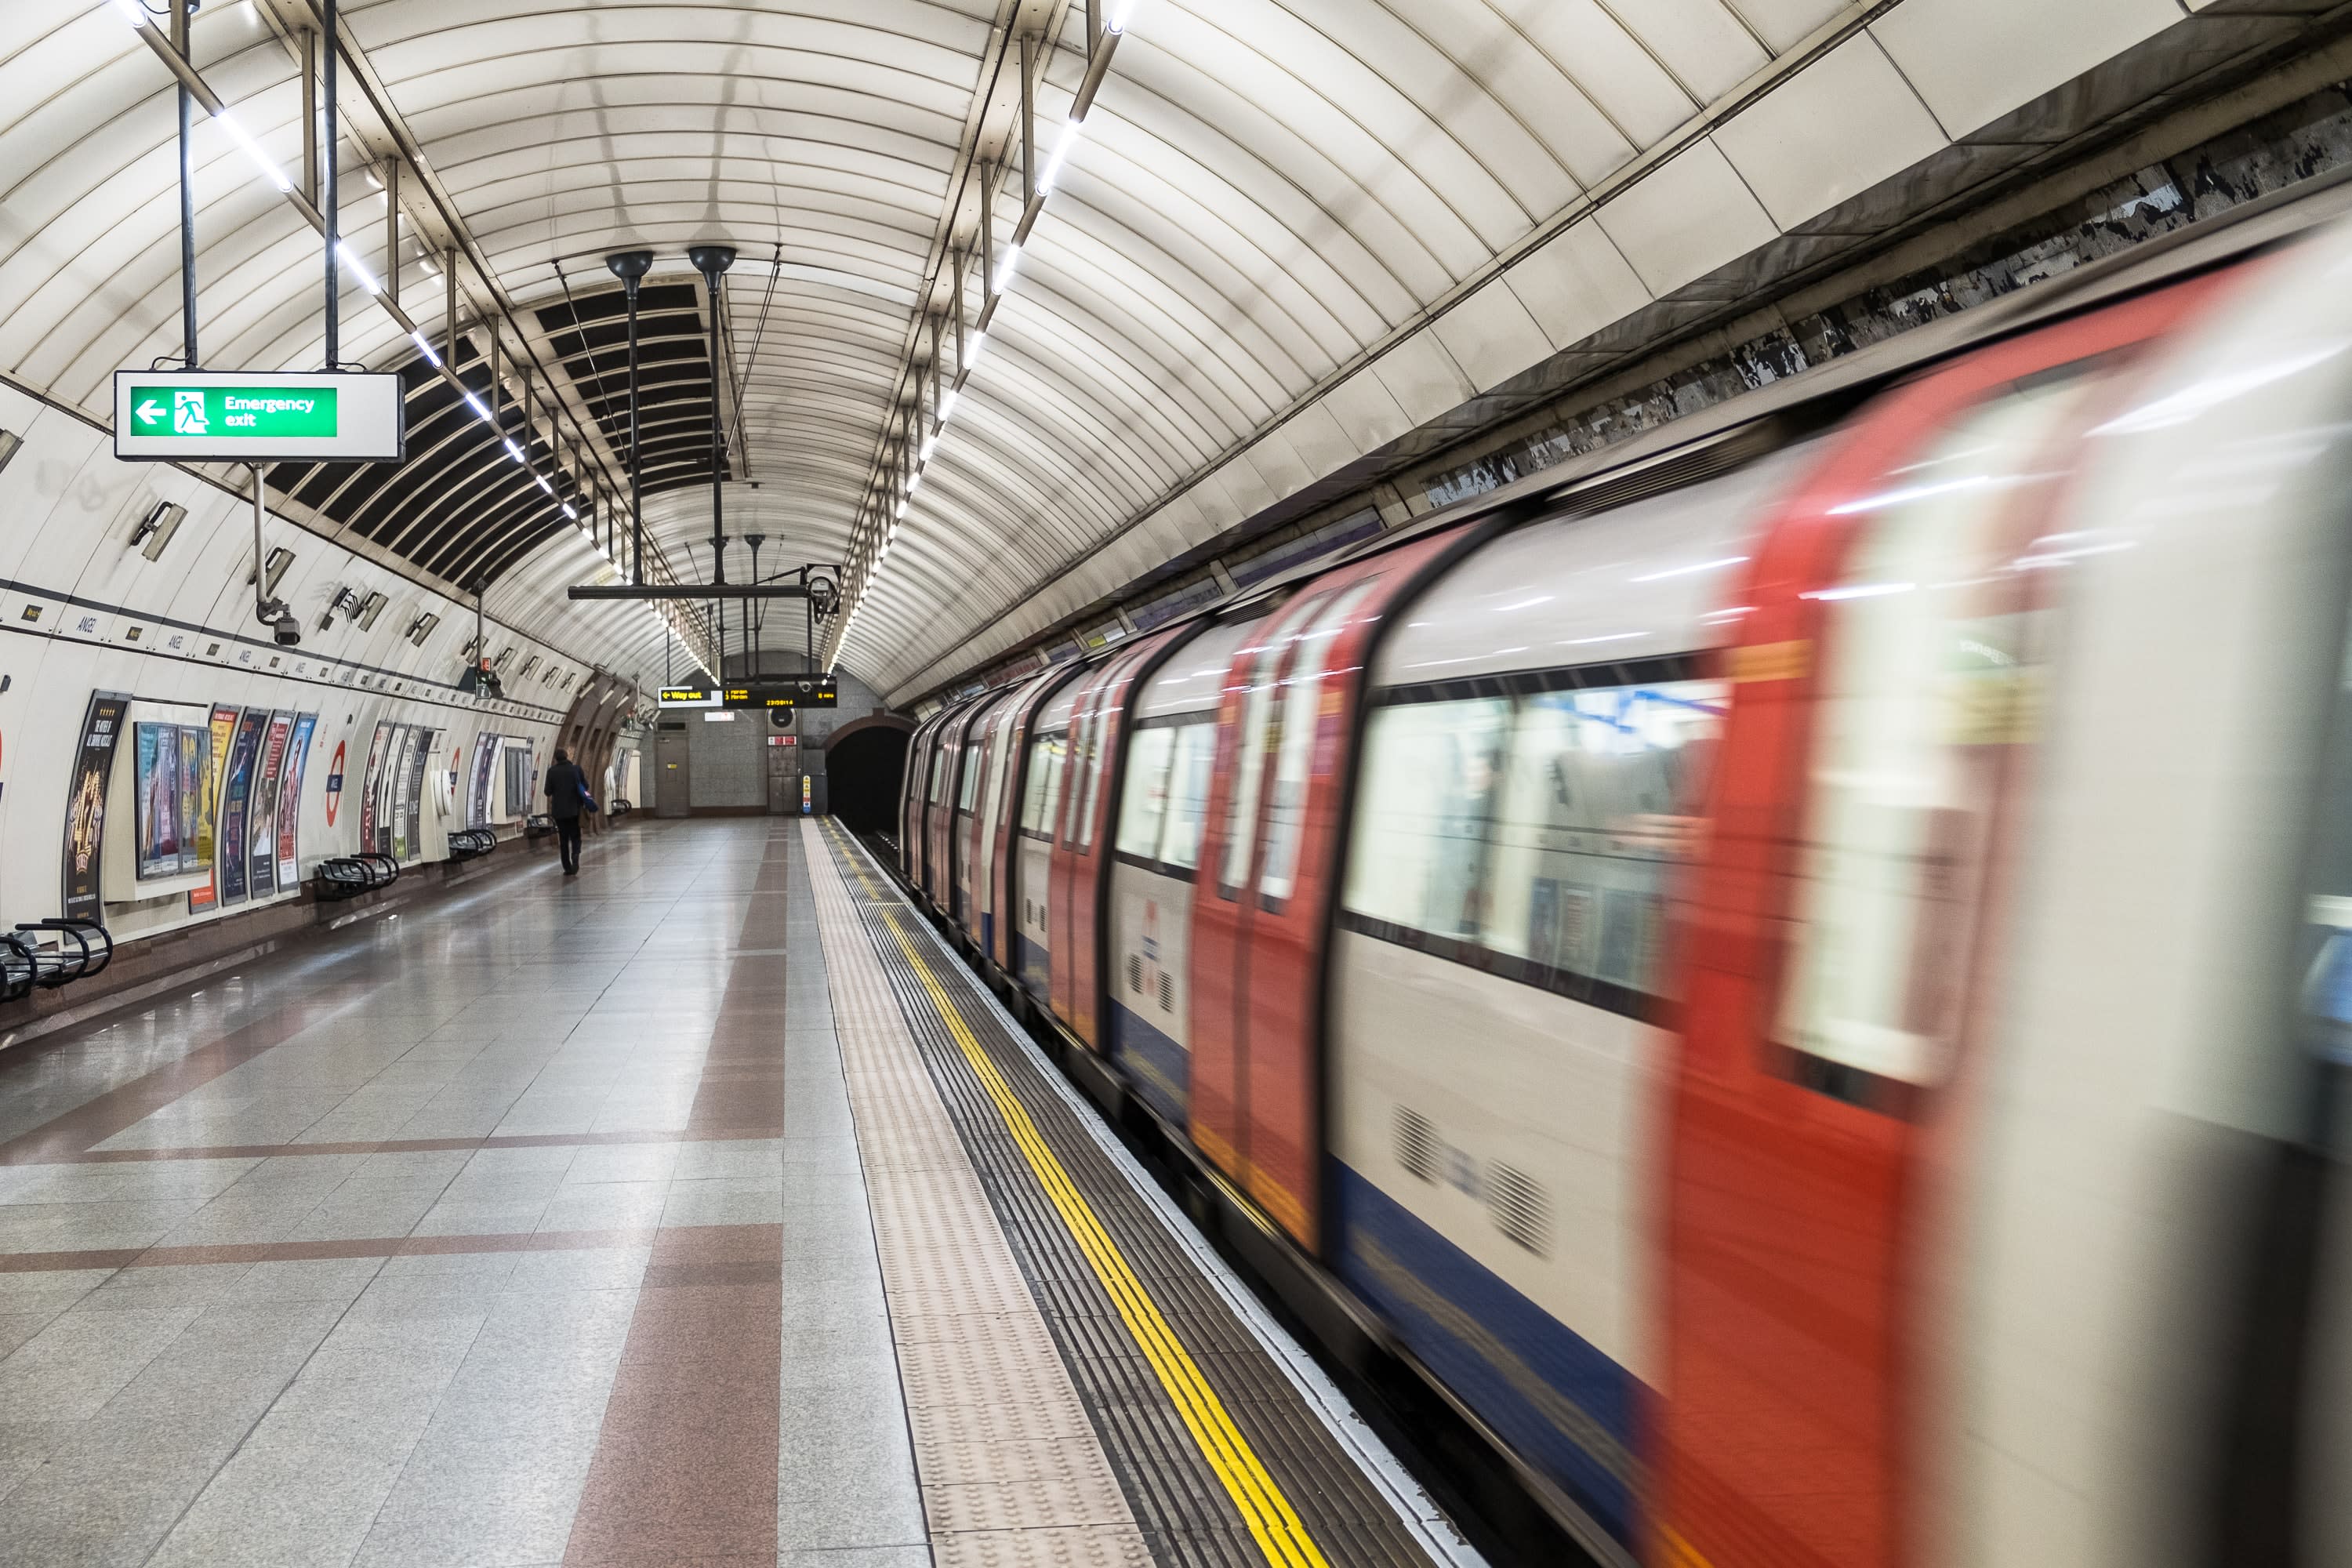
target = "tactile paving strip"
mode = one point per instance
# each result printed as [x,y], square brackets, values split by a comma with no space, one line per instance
[1186,1510]
[1011,1470]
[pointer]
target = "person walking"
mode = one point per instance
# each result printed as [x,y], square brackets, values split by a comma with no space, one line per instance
[567,797]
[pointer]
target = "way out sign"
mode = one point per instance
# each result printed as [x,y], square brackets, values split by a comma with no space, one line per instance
[239,416]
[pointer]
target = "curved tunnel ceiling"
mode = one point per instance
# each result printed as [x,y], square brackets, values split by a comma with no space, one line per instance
[1271,210]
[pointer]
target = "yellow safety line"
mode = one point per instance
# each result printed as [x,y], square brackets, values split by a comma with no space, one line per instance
[1271,1521]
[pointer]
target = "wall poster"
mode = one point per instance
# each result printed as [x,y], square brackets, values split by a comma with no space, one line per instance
[478,805]
[368,788]
[102,727]
[290,803]
[195,772]
[401,768]
[261,846]
[223,731]
[412,804]
[518,781]
[156,769]
[236,802]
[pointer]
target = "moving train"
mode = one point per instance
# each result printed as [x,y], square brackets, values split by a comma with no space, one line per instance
[1797,968]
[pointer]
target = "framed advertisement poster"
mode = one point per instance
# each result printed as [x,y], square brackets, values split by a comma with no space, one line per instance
[156,776]
[261,843]
[478,805]
[236,802]
[289,802]
[196,752]
[395,832]
[221,734]
[85,834]
[371,788]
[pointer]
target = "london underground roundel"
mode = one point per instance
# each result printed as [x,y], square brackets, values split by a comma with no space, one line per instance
[335,784]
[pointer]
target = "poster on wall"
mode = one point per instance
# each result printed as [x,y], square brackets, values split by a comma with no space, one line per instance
[394,818]
[236,801]
[518,781]
[223,731]
[478,806]
[156,769]
[368,789]
[261,849]
[411,804]
[290,803]
[102,727]
[195,748]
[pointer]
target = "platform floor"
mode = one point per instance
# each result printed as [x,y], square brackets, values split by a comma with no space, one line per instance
[698,1209]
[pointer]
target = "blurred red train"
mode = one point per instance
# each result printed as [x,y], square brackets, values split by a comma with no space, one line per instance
[1797,968]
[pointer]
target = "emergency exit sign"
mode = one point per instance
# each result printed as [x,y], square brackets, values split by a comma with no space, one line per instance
[266,417]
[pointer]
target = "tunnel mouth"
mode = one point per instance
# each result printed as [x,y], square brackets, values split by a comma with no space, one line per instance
[864,765]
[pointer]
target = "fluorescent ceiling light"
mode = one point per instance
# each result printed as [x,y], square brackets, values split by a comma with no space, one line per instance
[426,349]
[261,160]
[367,279]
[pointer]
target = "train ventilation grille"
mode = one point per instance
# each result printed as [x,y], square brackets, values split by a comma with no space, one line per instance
[1134,972]
[1416,1143]
[1167,994]
[1519,1207]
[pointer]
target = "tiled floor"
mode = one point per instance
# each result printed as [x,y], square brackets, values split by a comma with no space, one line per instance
[517,1229]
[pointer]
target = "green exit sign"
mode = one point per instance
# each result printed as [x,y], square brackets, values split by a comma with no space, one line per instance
[258,417]
[234,413]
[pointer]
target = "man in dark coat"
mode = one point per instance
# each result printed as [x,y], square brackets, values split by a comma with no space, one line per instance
[567,797]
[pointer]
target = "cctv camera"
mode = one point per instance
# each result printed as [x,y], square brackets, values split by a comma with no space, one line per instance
[287,630]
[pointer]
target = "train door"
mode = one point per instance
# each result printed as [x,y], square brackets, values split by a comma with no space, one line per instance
[1885,694]
[1009,816]
[988,822]
[938,771]
[1045,772]
[964,850]
[1267,913]
[939,848]
[1084,848]
[910,799]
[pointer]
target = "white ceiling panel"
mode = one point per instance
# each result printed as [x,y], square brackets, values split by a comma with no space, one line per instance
[1974,60]
[1848,122]
[1688,218]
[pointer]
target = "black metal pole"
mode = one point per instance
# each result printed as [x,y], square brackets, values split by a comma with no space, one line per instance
[712,262]
[630,267]
[331,207]
[180,9]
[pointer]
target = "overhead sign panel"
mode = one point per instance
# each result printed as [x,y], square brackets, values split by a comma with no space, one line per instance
[817,691]
[239,416]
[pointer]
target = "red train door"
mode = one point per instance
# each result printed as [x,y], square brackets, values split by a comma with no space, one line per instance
[1084,848]
[1262,910]
[1884,698]
[1006,871]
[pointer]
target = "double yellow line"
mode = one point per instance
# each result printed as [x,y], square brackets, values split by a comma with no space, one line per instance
[1273,1523]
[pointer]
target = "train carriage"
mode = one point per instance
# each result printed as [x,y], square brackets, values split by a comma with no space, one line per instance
[1800,979]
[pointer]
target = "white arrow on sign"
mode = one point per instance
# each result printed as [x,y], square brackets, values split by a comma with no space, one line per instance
[149,412]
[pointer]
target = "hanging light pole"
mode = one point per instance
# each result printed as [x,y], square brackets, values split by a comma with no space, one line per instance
[630,266]
[712,262]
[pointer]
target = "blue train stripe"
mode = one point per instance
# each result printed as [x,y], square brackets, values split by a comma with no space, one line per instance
[1033,964]
[1560,1402]
[1162,1069]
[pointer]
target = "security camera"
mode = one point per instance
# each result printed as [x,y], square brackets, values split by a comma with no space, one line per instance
[287,629]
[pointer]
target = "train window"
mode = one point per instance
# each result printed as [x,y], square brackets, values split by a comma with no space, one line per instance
[1188,795]
[1241,810]
[1302,712]
[1145,801]
[1044,786]
[1078,747]
[1097,765]
[938,773]
[1930,674]
[1600,801]
[972,771]
[1428,783]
